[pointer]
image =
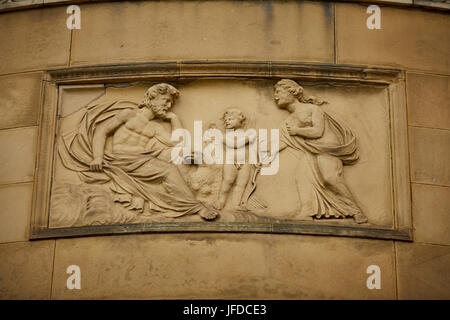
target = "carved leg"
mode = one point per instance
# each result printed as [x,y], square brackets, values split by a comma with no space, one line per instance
[229,176]
[242,179]
[331,169]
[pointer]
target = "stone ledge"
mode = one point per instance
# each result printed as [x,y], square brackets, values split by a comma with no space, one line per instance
[10,5]
[223,69]
[305,228]
[440,4]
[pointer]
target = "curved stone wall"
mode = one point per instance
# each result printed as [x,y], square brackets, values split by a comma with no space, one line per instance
[413,40]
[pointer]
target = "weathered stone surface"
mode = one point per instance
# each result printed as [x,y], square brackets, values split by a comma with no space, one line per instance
[428,100]
[431,207]
[443,4]
[26,270]
[15,212]
[430,155]
[100,202]
[73,98]
[423,271]
[192,30]
[18,148]
[57,1]
[19,100]
[36,39]
[10,4]
[212,266]
[386,1]
[407,38]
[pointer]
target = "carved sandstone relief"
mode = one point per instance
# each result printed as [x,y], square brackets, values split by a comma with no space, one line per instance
[114,160]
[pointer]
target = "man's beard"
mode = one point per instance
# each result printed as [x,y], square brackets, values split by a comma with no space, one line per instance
[159,111]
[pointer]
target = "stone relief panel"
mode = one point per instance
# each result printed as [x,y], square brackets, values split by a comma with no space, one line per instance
[328,155]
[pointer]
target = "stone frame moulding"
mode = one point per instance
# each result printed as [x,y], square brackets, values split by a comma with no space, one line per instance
[11,5]
[393,80]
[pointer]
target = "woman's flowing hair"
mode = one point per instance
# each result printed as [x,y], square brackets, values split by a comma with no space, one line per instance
[297,91]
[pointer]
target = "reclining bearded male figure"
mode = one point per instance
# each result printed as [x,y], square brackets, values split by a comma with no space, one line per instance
[139,165]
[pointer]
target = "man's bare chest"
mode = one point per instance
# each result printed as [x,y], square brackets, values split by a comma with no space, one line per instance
[139,130]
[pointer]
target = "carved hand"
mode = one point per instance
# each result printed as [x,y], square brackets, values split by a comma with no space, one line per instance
[170,115]
[96,165]
[292,130]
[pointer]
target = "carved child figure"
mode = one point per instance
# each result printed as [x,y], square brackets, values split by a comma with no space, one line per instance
[237,174]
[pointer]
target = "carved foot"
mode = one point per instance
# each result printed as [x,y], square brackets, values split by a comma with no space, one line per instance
[208,213]
[360,218]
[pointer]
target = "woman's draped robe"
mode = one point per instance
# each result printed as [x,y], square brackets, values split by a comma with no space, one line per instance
[139,175]
[317,199]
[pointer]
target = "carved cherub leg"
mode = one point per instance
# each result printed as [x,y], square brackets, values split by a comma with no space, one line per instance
[229,177]
[242,179]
